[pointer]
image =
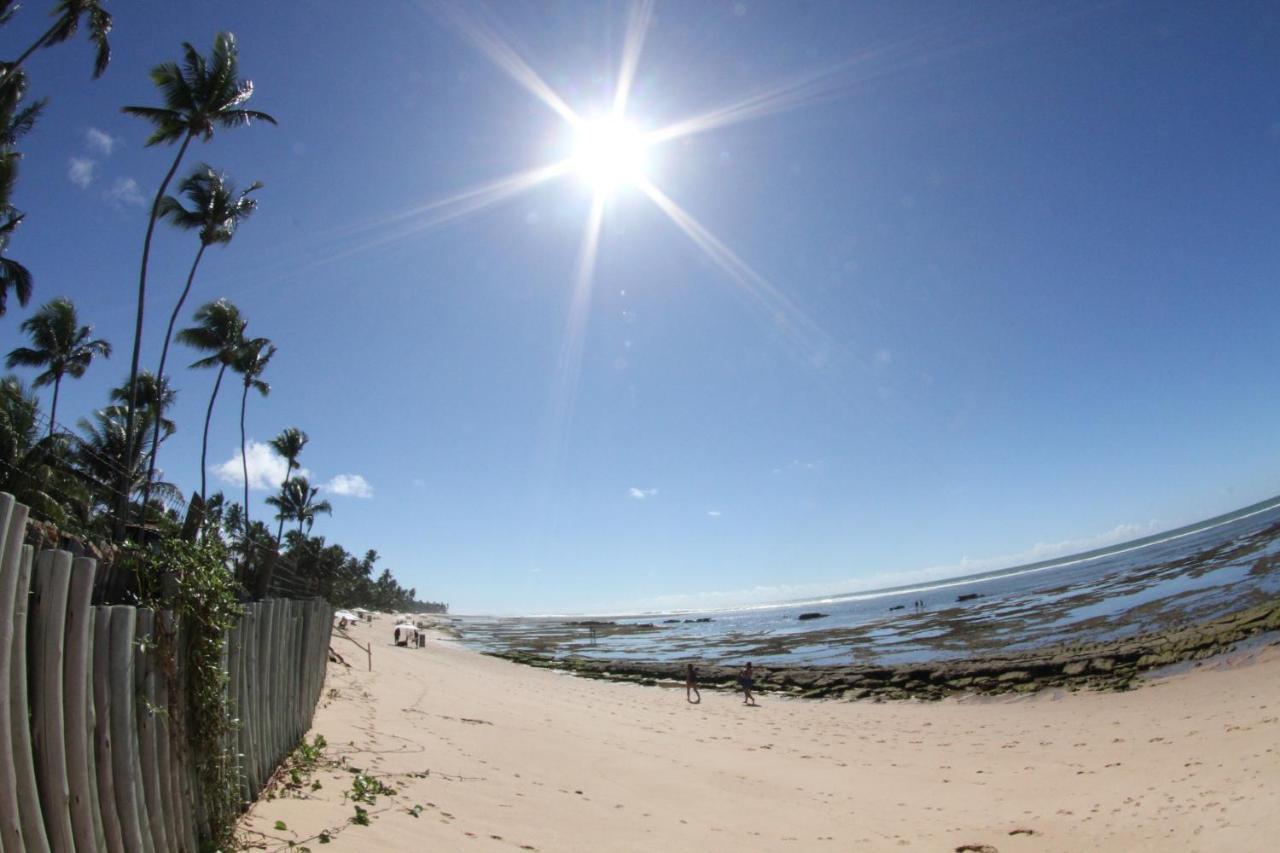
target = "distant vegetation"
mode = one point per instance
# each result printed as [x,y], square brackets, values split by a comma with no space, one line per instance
[95,488]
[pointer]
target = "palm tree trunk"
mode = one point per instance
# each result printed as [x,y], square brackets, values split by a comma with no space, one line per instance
[34,47]
[130,438]
[244,460]
[204,444]
[244,467]
[53,409]
[287,471]
[164,354]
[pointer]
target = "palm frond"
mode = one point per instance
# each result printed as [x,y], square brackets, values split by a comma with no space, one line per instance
[99,28]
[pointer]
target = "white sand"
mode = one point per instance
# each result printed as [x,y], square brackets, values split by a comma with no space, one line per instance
[522,758]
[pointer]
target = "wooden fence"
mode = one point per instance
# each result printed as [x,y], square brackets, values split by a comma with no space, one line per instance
[89,757]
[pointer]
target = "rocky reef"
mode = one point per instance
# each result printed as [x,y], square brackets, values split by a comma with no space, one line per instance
[1112,665]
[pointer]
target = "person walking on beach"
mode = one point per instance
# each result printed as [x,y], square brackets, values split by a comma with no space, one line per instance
[691,685]
[747,680]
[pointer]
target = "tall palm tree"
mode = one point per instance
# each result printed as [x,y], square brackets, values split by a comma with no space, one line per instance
[67,15]
[297,500]
[198,95]
[216,212]
[219,331]
[60,345]
[250,363]
[289,444]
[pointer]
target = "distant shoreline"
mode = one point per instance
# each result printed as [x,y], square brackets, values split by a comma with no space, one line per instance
[1111,665]
[944,582]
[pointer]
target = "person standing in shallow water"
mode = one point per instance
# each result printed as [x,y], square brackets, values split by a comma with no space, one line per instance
[691,685]
[746,679]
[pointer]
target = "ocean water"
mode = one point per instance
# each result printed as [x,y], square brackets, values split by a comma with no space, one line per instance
[1186,575]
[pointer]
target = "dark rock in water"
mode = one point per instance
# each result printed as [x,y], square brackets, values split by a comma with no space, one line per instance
[805,616]
[669,621]
[969,596]
[898,607]
[703,619]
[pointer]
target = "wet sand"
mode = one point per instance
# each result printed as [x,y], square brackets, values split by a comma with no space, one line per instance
[500,756]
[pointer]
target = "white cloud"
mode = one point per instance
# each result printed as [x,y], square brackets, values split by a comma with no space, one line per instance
[125,192]
[641,494]
[799,465]
[266,468]
[99,141]
[419,483]
[349,485]
[714,513]
[80,172]
[883,357]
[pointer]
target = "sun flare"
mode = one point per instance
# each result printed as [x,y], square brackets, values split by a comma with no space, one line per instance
[609,153]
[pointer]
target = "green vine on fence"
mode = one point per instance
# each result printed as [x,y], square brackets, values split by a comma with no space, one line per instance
[191,582]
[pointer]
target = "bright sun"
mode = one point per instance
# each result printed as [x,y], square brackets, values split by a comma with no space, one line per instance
[609,153]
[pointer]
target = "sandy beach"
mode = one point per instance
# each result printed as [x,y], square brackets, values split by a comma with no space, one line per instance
[486,754]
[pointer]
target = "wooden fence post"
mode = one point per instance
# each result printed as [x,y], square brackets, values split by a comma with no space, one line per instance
[130,802]
[102,733]
[144,683]
[86,821]
[49,738]
[13,522]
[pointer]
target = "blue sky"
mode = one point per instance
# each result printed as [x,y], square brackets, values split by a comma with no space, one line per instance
[1023,258]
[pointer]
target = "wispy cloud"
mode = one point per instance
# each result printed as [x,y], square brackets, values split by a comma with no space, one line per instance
[349,485]
[641,494]
[266,468]
[125,193]
[799,465]
[99,141]
[419,483]
[80,171]
[714,513]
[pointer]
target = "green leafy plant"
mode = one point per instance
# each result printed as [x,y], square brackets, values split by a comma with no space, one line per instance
[191,581]
[366,788]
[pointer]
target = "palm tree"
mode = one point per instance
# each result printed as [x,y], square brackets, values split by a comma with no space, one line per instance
[297,500]
[289,444]
[60,345]
[67,14]
[16,122]
[13,275]
[220,331]
[250,363]
[310,508]
[216,212]
[35,469]
[101,458]
[155,397]
[198,95]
